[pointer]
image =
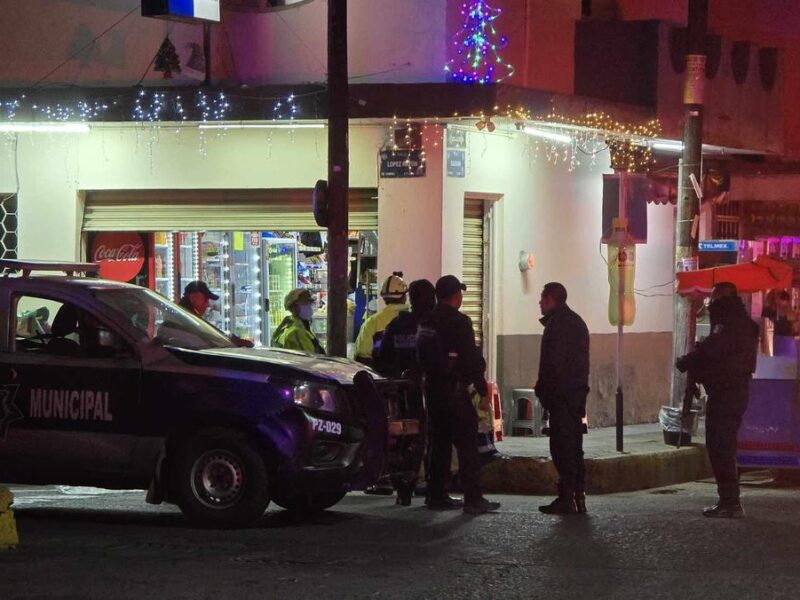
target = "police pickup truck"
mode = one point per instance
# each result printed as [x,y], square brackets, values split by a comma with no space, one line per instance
[110,385]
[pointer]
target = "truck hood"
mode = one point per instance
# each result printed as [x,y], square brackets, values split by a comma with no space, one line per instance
[338,369]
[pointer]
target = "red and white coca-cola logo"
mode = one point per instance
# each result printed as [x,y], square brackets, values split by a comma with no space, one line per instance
[120,254]
[129,252]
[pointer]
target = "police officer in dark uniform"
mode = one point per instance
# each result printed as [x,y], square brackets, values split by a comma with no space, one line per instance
[398,351]
[451,361]
[397,357]
[724,363]
[562,388]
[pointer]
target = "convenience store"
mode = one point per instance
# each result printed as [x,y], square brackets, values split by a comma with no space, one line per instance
[250,246]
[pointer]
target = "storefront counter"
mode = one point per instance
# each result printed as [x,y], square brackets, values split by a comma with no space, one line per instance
[770,431]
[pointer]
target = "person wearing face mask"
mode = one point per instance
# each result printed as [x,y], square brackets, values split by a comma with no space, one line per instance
[294,332]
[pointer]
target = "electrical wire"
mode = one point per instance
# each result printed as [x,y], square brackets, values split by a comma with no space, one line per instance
[302,41]
[92,42]
[643,291]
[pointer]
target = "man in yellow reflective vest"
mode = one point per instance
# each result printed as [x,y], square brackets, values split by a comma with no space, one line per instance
[394,292]
[294,332]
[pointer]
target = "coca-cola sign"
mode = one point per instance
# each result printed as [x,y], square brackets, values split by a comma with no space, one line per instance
[119,254]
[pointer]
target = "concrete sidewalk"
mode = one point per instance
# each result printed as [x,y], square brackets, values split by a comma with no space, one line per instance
[647,462]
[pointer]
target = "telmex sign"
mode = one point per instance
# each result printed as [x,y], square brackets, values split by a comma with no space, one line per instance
[182,10]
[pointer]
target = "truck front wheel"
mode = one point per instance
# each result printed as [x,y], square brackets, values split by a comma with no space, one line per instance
[221,480]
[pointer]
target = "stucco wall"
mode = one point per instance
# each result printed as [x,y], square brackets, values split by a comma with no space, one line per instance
[556,214]
[647,359]
[54,168]
[410,222]
[389,41]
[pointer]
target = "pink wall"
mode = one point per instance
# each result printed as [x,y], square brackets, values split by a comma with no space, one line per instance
[764,22]
[540,40]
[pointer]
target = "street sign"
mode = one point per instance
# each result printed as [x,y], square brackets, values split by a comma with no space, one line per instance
[402,163]
[456,163]
[456,138]
[718,246]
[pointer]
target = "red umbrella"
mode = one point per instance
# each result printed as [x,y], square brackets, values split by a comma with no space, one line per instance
[762,274]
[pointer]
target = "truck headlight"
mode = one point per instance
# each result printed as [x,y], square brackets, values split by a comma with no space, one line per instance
[320,397]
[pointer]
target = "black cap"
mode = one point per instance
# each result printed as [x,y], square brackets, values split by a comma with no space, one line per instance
[201,287]
[447,286]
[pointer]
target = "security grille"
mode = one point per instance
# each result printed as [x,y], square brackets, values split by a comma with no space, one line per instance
[218,210]
[473,261]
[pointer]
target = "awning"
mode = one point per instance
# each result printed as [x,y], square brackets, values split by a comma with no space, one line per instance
[762,274]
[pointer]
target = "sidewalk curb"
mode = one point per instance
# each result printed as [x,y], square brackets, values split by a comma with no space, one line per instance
[537,476]
[8,528]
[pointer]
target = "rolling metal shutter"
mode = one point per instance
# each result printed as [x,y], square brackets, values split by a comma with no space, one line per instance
[473,258]
[217,210]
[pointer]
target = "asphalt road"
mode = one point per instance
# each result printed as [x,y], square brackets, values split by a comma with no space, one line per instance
[644,545]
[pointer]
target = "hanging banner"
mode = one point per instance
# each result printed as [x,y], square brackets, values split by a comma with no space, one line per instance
[402,163]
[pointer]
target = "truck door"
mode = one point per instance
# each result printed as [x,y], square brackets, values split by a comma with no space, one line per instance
[70,390]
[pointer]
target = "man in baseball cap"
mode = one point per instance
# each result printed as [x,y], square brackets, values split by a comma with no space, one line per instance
[452,363]
[196,297]
[449,286]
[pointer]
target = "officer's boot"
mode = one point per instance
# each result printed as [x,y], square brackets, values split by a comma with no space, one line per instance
[580,502]
[563,505]
[405,491]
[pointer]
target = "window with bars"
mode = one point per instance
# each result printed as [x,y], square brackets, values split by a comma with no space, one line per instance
[727,220]
[8,226]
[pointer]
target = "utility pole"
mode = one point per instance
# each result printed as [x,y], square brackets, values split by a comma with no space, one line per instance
[338,178]
[687,222]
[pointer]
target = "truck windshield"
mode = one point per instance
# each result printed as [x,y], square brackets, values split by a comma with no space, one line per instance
[162,321]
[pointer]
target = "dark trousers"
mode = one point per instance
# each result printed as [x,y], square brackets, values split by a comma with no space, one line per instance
[724,414]
[452,421]
[566,440]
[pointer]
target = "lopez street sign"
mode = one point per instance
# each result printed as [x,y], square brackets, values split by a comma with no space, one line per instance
[402,163]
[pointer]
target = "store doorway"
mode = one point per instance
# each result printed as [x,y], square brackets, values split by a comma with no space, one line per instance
[478,271]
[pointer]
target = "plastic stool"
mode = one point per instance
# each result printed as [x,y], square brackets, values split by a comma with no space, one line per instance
[528,413]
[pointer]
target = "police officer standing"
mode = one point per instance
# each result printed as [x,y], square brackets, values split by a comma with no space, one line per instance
[562,388]
[724,363]
[398,350]
[294,332]
[451,361]
[397,357]
[393,291]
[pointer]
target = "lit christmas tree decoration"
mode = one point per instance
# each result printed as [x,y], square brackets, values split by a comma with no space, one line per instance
[477,58]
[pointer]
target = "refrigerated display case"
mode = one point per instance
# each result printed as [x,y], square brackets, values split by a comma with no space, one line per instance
[215,268]
[246,286]
[163,251]
[279,277]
